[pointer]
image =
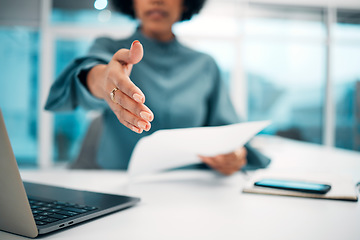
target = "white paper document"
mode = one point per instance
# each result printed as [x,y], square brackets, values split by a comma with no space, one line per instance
[165,149]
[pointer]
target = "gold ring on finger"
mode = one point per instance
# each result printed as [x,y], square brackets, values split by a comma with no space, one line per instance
[112,94]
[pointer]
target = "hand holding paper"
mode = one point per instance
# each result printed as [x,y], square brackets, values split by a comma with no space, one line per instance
[166,149]
[228,163]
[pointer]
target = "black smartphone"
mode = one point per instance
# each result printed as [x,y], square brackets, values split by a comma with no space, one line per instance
[301,186]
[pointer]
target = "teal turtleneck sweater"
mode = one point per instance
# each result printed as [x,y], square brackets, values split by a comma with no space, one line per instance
[182,87]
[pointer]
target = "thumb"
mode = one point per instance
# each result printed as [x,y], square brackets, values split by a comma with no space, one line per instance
[136,52]
[132,56]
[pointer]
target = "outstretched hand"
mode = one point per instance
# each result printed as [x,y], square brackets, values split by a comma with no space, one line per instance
[127,100]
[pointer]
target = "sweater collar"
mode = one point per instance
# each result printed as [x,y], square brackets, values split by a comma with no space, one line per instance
[150,42]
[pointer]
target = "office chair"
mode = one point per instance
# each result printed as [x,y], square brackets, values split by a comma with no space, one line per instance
[86,158]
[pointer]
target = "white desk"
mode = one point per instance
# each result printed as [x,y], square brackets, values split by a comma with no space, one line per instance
[196,204]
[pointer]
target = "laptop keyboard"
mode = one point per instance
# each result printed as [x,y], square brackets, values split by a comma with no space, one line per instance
[46,212]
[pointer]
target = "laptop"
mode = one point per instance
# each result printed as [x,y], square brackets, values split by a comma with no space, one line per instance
[30,209]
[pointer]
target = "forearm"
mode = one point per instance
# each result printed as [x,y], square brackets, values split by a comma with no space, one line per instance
[70,88]
[94,79]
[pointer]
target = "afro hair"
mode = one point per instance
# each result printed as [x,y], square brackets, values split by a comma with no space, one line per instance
[192,7]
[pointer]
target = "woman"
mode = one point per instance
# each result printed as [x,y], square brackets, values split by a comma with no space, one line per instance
[156,84]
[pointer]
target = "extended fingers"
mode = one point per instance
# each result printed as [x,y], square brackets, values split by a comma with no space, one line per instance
[130,120]
[135,107]
[129,109]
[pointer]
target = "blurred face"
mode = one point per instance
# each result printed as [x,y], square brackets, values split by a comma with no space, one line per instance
[158,16]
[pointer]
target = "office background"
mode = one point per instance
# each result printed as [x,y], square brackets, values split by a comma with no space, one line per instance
[296,63]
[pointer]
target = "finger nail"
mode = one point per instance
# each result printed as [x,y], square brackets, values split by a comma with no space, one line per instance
[135,42]
[147,116]
[137,97]
[144,125]
[137,130]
